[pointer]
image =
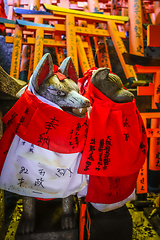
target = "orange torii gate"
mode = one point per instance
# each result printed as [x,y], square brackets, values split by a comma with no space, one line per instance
[153,89]
[111,21]
[99,42]
[40,17]
[21,28]
[135,28]
[154,131]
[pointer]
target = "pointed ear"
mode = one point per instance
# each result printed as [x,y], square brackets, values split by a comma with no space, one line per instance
[44,70]
[68,69]
[99,76]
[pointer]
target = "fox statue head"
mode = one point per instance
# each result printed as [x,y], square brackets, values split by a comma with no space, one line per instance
[111,86]
[58,85]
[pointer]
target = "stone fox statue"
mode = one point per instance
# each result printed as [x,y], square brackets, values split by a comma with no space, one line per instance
[116,145]
[42,144]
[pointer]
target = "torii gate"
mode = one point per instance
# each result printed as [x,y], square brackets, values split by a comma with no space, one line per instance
[72,16]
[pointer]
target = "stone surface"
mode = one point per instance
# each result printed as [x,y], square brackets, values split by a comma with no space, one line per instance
[48,223]
[153,216]
[59,235]
[112,225]
[9,85]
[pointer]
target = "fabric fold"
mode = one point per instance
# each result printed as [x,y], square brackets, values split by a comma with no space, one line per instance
[115,149]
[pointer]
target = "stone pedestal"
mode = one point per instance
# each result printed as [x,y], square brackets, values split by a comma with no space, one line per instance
[48,223]
[59,235]
[153,216]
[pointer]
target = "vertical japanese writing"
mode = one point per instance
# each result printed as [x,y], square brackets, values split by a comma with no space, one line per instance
[23,170]
[10,121]
[78,127]
[16,52]
[21,181]
[20,120]
[85,125]
[39,181]
[158,159]
[90,157]
[106,159]
[143,148]
[103,147]
[89,53]
[158,141]
[114,186]
[126,125]
[44,139]
[158,89]
[60,55]
[82,53]
[138,24]
[51,125]
[72,40]
[31,149]
[103,53]
[100,150]
[80,131]
[38,46]
[142,179]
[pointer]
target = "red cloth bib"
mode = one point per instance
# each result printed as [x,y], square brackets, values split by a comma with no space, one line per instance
[115,149]
[43,125]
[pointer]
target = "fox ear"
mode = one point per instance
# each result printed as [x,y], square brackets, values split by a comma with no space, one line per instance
[44,70]
[68,69]
[99,76]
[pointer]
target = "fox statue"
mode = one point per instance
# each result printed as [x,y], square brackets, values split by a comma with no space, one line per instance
[115,149]
[42,144]
[49,139]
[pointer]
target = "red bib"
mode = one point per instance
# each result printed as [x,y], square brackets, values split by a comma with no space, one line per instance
[43,125]
[115,149]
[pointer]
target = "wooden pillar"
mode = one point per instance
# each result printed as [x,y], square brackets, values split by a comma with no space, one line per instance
[64,4]
[34,5]
[120,49]
[71,40]
[102,52]
[135,28]
[2,207]
[27,61]
[154,150]
[82,55]
[124,10]
[100,42]
[59,51]
[93,6]
[154,155]
[16,3]
[16,54]
[89,53]
[2,219]
[141,187]
[38,51]
[24,66]
[114,10]
[157,12]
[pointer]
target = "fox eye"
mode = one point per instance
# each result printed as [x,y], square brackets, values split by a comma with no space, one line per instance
[56,92]
[61,93]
